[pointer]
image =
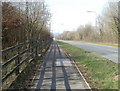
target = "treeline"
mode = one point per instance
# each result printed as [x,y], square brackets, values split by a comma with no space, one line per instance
[106,30]
[22,21]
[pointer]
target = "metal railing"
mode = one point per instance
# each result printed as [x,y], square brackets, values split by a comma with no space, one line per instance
[17,57]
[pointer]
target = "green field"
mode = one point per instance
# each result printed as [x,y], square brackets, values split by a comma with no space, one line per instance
[99,72]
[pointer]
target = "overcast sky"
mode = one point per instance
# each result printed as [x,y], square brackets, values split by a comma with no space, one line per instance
[68,15]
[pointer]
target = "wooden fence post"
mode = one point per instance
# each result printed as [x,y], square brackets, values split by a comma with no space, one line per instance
[32,50]
[18,59]
[36,50]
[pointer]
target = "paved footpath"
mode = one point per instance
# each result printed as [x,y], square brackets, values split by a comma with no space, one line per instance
[59,72]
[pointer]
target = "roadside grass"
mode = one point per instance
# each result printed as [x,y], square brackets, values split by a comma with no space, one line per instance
[107,44]
[99,72]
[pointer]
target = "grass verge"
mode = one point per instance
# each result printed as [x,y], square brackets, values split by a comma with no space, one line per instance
[107,44]
[99,72]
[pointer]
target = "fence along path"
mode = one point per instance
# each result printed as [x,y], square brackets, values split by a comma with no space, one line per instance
[16,58]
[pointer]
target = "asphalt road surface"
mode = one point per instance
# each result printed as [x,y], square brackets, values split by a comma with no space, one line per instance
[108,52]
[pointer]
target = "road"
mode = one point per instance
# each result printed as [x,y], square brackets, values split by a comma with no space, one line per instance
[59,72]
[108,52]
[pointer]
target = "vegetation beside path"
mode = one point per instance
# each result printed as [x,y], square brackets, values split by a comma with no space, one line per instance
[99,72]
